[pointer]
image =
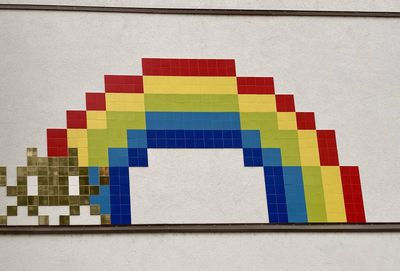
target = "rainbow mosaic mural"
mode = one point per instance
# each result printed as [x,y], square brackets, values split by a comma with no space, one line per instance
[186,103]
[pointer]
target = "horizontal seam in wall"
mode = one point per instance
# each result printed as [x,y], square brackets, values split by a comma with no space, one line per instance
[202,11]
[205,228]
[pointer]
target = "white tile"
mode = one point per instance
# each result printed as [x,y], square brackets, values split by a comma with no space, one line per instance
[6,201]
[85,218]
[54,213]
[73,184]
[22,218]
[32,186]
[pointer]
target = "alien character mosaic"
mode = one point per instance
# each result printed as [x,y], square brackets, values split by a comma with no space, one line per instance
[187,104]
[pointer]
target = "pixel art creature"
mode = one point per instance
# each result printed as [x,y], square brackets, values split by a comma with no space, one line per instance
[186,103]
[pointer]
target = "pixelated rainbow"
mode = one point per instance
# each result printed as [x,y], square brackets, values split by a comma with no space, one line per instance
[201,103]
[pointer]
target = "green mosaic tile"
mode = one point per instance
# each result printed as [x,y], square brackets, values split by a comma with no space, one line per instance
[191,103]
[314,194]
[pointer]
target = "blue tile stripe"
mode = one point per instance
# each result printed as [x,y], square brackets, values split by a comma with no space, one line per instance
[188,139]
[193,120]
[294,192]
[276,196]
[284,185]
[120,195]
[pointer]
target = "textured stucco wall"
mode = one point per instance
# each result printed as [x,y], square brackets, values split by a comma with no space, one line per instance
[345,70]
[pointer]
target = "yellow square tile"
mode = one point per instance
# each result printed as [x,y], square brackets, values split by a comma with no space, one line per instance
[287,120]
[77,137]
[308,146]
[190,84]
[257,103]
[333,193]
[125,102]
[96,119]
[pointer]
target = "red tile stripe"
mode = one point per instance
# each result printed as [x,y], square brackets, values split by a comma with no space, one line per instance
[285,103]
[76,119]
[188,67]
[305,120]
[352,193]
[57,143]
[95,101]
[255,85]
[328,154]
[123,83]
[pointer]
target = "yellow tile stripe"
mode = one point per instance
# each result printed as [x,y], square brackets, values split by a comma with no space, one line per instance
[257,103]
[308,147]
[189,85]
[333,194]
[287,120]
[125,102]
[77,138]
[96,119]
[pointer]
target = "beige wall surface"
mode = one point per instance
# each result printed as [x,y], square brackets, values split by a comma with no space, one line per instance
[345,70]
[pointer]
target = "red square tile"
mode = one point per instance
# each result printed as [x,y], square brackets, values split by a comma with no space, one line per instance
[57,142]
[95,101]
[285,103]
[328,154]
[255,85]
[123,83]
[76,119]
[305,120]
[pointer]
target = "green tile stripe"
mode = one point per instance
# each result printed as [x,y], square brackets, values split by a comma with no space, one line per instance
[314,194]
[99,140]
[191,103]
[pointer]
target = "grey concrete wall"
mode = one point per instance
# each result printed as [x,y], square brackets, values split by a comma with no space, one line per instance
[345,70]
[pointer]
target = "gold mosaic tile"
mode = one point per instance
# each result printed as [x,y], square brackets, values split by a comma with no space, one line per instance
[94,209]
[22,172]
[3,171]
[31,152]
[3,220]
[74,210]
[11,190]
[12,211]
[105,219]
[32,210]
[104,180]
[22,190]
[32,161]
[73,152]
[22,200]
[94,190]
[64,220]
[53,201]
[43,220]
[3,180]
[33,200]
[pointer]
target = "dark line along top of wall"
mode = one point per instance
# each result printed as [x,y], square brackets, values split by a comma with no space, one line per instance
[191,11]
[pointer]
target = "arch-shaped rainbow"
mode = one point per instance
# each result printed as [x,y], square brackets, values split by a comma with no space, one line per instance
[201,103]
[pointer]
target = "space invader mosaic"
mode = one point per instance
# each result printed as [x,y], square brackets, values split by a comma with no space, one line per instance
[191,104]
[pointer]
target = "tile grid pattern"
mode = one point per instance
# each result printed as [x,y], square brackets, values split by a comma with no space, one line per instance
[189,103]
